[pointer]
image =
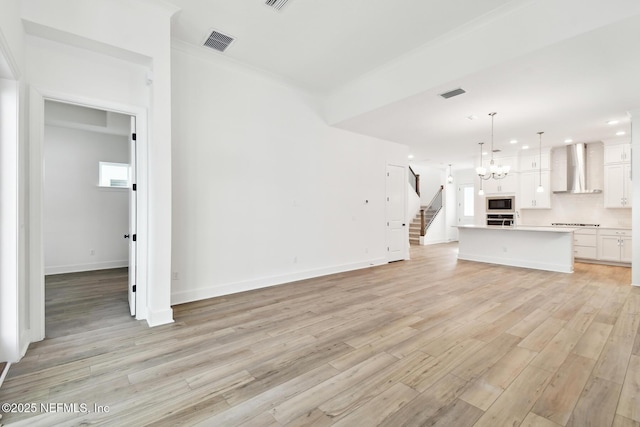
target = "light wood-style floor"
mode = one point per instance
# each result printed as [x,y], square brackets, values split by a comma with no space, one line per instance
[431,341]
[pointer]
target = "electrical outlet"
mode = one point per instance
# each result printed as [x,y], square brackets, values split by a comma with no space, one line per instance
[174,275]
[92,252]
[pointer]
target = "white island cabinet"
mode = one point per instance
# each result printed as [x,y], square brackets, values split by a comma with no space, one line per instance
[541,248]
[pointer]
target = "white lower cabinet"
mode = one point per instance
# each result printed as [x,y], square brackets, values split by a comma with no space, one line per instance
[614,245]
[585,244]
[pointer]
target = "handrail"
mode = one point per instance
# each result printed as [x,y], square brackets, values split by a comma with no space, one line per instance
[414,180]
[434,206]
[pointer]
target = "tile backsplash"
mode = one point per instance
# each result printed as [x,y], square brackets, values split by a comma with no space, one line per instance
[577,208]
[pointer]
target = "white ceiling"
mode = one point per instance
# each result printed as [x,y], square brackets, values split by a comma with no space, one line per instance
[321,44]
[568,89]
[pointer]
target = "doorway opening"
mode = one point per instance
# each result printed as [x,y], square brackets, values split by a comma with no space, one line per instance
[88,217]
[466,207]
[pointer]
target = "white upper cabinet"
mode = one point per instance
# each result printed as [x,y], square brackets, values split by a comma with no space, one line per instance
[617,175]
[529,197]
[559,169]
[529,162]
[617,185]
[506,185]
[617,153]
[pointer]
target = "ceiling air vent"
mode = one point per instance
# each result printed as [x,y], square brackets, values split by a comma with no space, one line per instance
[453,93]
[276,4]
[218,41]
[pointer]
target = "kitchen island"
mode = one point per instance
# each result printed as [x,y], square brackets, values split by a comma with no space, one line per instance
[541,248]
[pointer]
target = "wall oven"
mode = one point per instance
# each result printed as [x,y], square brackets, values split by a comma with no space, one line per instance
[502,220]
[501,204]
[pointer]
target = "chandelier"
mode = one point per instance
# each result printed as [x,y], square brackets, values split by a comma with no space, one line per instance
[494,171]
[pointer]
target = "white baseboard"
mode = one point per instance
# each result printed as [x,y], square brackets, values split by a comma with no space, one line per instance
[105,265]
[249,285]
[162,317]
[425,242]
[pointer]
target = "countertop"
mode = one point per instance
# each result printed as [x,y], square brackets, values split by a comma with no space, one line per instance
[520,228]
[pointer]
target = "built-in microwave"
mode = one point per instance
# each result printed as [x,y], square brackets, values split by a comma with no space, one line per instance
[501,204]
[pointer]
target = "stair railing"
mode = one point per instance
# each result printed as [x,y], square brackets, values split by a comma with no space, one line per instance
[414,180]
[433,208]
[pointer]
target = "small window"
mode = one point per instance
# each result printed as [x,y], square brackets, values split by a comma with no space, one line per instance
[114,175]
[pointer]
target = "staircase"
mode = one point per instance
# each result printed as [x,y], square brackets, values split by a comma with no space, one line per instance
[414,227]
[425,216]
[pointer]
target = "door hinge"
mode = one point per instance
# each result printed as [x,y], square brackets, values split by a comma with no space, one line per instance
[134,237]
[134,288]
[135,187]
[133,136]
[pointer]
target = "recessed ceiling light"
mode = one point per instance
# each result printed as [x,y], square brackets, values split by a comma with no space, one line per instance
[484,153]
[472,117]
[410,156]
[513,141]
[525,147]
[568,141]
[613,122]
[620,133]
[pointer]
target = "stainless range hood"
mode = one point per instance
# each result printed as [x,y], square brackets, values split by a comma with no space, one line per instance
[577,171]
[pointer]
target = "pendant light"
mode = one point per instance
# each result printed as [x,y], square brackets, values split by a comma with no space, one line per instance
[450,177]
[540,187]
[495,171]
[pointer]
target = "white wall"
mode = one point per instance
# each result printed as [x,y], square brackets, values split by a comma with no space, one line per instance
[430,181]
[264,192]
[635,191]
[14,310]
[83,224]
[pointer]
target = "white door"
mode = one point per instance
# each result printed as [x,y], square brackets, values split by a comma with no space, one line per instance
[466,207]
[397,237]
[132,219]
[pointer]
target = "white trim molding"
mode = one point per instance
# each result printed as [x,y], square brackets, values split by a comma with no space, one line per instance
[37,97]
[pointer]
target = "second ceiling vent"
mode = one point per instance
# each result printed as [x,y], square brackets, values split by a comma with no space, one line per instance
[453,93]
[218,41]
